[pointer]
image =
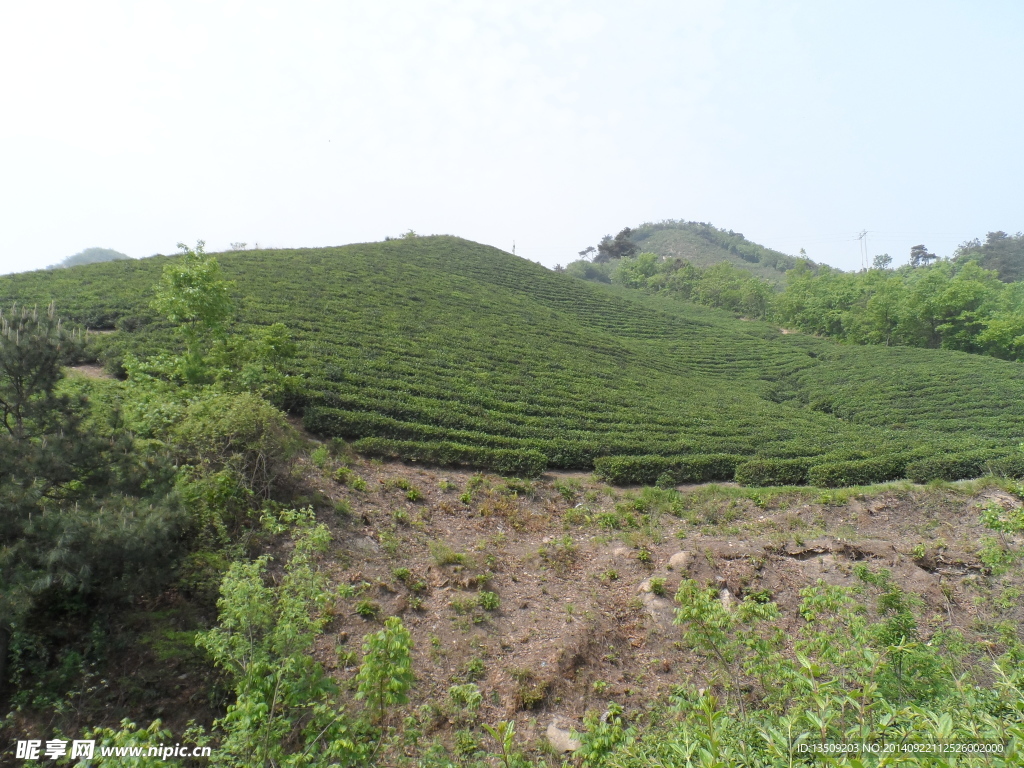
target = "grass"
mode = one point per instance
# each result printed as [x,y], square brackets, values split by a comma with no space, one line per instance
[441,349]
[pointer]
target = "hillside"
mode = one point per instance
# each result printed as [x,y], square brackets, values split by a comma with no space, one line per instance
[443,350]
[184,566]
[704,245]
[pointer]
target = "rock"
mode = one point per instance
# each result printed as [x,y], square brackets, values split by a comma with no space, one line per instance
[645,586]
[680,560]
[660,609]
[366,544]
[726,597]
[560,738]
[621,552]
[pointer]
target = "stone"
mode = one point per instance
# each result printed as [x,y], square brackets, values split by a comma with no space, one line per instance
[560,738]
[661,609]
[680,561]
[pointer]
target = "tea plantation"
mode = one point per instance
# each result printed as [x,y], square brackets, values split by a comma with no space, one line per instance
[447,351]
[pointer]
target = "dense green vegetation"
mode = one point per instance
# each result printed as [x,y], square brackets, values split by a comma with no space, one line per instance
[176,478]
[961,303]
[1000,252]
[451,351]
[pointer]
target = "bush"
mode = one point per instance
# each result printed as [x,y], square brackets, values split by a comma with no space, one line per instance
[631,470]
[526,463]
[649,470]
[242,432]
[1008,466]
[840,474]
[953,466]
[765,472]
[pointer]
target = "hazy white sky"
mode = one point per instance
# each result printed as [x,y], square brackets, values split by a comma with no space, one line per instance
[136,125]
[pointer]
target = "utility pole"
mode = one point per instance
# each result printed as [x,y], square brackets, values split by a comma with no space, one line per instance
[863,237]
[513,247]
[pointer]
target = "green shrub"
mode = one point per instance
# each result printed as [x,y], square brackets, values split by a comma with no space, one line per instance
[766,472]
[238,431]
[525,463]
[666,470]
[840,474]
[954,466]
[1008,466]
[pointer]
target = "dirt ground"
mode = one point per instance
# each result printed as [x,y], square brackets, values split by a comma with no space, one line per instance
[578,622]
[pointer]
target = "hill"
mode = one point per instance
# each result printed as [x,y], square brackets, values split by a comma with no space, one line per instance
[90,256]
[705,245]
[447,351]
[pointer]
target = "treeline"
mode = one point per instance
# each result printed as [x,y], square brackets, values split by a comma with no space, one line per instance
[721,285]
[953,303]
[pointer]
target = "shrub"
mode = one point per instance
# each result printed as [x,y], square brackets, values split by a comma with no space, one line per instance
[489,601]
[1008,466]
[840,474]
[522,463]
[238,431]
[953,466]
[666,470]
[765,472]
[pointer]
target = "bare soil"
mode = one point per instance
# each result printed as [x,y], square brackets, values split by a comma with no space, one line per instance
[578,623]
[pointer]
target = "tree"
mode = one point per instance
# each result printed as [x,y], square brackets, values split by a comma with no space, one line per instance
[587,252]
[621,247]
[193,294]
[882,261]
[70,531]
[919,256]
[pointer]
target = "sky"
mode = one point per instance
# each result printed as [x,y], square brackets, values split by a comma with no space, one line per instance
[138,125]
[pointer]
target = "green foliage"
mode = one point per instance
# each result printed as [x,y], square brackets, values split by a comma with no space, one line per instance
[242,433]
[489,601]
[554,372]
[603,735]
[840,474]
[193,295]
[284,711]
[957,466]
[385,676]
[88,519]
[647,470]
[768,472]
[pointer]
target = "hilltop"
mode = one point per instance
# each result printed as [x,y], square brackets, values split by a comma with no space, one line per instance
[705,245]
[446,351]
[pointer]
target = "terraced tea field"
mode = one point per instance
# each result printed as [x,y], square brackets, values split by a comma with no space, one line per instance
[445,350]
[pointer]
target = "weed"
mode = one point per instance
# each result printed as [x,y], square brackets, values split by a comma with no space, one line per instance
[445,555]
[474,669]
[568,489]
[368,609]
[658,587]
[320,456]
[609,576]
[489,601]
[389,542]
[599,687]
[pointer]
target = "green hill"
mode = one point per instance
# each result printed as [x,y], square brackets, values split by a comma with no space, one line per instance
[704,245]
[444,350]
